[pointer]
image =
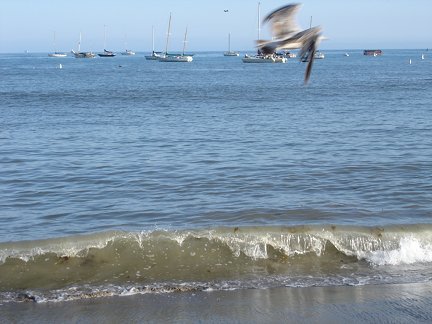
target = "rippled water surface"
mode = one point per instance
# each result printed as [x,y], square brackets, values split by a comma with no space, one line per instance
[123,176]
[130,144]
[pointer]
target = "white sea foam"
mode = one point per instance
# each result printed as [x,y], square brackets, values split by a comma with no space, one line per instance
[411,250]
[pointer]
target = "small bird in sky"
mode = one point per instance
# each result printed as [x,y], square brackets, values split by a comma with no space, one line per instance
[288,35]
[226,10]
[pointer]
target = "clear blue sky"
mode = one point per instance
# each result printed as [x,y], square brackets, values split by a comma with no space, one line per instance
[348,24]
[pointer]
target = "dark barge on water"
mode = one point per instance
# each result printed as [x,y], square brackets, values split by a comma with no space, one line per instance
[372,52]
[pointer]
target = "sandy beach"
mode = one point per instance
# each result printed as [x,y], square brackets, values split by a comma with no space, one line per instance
[407,303]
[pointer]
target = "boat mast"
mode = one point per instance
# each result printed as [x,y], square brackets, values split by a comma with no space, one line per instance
[185,41]
[153,47]
[229,42]
[79,44]
[55,46]
[259,21]
[259,25]
[168,34]
[104,37]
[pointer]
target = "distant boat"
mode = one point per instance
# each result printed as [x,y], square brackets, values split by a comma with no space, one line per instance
[83,54]
[287,54]
[319,55]
[264,59]
[128,52]
[259,58]
[229,52]
[154,55]
[175,57]
[346,54]
[106,53]
[80,54]
[372,52]
[56,54]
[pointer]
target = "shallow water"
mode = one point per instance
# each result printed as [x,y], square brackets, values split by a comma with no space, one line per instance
[408,303]
[199,150]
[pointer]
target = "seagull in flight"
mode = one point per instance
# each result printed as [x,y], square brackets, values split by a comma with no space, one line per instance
[288,35]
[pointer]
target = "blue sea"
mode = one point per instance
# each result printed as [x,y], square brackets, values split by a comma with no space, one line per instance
[123,176]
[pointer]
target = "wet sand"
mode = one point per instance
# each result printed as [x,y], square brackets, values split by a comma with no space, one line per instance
[406,303]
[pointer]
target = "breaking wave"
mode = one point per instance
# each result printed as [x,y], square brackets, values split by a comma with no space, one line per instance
[115,263]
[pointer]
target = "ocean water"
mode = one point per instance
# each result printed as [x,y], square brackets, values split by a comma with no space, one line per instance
[126,176]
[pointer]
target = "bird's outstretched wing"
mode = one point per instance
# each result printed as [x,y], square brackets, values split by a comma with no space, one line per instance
[310,40]
[282,21]
[287,35]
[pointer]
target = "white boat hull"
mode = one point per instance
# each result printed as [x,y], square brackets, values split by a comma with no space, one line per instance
[180,58]
[231,54]
[57,55]
[263,59]
[154,56]
[83,54]
[128,52]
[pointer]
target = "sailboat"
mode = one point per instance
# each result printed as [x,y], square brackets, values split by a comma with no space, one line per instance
[259,58]
[230,53]
[106,53]
[56,54]
[127,51]
[80,54]
[175,57]
[317,55]
[154,55]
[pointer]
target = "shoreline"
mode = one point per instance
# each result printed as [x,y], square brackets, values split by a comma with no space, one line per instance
[358,304]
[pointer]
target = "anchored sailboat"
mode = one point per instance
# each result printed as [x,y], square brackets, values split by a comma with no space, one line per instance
[127,51]
[154,55]
[80,54]
[106,53]
[229,52]
[175,57]
[259,57]
[56,54]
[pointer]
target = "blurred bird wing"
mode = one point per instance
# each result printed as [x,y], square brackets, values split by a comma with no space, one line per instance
[309,38]
[282,21]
